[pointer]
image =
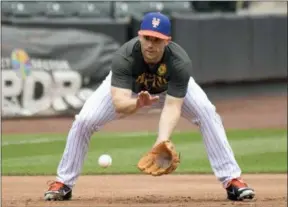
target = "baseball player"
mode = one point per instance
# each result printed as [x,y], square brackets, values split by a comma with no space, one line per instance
[151,71]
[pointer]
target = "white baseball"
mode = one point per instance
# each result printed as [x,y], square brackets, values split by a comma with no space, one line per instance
[105,160]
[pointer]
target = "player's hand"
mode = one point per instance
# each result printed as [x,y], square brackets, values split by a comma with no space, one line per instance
[145,99]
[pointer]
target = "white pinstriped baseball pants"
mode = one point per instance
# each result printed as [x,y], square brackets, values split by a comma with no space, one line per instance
[99,110]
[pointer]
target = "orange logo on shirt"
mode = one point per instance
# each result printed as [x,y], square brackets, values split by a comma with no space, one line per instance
[151,80]
[162,70]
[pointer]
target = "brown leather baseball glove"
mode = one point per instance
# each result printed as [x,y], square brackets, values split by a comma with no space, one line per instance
[162,159]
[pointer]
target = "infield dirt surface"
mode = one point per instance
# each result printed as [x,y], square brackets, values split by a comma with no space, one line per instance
[148,191]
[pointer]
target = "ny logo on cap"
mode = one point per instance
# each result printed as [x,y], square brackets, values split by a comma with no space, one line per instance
[155,22]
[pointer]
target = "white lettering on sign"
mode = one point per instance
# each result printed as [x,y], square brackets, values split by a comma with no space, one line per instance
[59,90]
[44,101]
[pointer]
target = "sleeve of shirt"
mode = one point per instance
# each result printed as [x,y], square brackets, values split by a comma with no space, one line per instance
[121,72]
[178,84]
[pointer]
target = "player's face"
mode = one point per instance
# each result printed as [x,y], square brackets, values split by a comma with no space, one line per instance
[152,48]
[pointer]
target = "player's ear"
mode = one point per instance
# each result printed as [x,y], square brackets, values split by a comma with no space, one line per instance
[167,42]
[140,37]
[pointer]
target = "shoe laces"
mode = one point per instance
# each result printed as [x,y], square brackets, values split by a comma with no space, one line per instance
[54,185]
[238,183]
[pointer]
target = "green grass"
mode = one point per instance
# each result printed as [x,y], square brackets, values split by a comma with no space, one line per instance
[257,151]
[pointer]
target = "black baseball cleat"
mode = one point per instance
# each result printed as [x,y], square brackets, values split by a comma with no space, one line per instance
[58,192]
[238,190]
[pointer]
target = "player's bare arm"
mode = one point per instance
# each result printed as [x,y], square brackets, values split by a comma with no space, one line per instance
[177,88]
[169,117]
[125,104]
[122,100]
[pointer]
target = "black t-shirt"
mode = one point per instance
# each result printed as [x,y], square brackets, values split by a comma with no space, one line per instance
[130,71]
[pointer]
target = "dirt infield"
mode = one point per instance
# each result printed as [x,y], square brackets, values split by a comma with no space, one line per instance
[139,190]
[144,191]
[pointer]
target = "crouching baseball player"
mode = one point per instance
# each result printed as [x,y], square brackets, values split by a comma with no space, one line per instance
[151,71]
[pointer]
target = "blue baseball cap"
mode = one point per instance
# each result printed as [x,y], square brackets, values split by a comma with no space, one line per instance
[156,24]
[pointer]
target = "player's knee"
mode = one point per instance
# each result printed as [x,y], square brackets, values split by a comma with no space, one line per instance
[209,110]
[206,109]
